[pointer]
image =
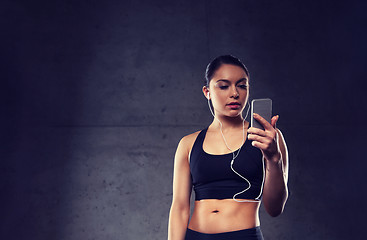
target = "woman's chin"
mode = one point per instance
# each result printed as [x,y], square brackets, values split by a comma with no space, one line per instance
[234,114]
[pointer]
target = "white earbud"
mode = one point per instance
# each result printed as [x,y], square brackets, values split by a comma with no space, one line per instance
[208,95]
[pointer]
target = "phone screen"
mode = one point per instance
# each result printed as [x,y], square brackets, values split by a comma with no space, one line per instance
[263,107]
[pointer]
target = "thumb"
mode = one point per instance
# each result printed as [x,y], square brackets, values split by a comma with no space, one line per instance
[274,121]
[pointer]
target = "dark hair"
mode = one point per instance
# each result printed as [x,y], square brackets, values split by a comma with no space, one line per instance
[219,61]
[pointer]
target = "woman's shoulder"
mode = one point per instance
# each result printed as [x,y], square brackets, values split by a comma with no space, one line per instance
[186,143]
[190,138]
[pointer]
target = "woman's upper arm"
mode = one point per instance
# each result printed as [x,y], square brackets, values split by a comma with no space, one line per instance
[181,174]
[284,151]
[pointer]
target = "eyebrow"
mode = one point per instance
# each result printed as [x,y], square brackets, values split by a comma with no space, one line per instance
[227,81]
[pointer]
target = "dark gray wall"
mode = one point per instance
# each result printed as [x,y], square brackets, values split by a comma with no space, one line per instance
[97,94]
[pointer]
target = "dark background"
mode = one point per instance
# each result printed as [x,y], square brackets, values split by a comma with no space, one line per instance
[95,96]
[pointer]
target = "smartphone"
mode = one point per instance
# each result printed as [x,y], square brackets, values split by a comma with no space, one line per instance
[263,107]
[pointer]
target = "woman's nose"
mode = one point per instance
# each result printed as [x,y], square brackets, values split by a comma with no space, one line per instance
[235,93]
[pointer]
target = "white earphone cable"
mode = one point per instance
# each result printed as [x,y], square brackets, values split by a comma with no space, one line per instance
[236,155]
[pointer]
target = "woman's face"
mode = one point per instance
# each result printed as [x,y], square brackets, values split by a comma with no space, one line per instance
[228,90]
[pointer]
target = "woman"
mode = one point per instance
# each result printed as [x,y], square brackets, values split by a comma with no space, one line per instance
[229,185]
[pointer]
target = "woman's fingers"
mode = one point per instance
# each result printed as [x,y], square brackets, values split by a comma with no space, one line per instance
[265,140]
[257,131]
[262,133]
[259,145]
[255,137]
[274,121]
[263,122]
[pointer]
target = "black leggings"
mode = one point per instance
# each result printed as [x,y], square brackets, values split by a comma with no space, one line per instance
[246,234]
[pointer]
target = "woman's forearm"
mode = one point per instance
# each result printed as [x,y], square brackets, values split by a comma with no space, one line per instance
[178,221]
[275,187]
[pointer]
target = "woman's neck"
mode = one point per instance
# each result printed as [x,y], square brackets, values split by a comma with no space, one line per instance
[228,123]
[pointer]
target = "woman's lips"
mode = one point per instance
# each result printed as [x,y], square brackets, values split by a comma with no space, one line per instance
[234,105]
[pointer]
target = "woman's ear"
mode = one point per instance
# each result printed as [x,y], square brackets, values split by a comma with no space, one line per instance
[206,92]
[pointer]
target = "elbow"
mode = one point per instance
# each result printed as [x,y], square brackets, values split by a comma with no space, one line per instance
[178,221]
[275,212]
[180,205]
[182,210]
[275,208]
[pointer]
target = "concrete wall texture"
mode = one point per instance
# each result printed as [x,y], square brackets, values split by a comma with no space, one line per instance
[97,94]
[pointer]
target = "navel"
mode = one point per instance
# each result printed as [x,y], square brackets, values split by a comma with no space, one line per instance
[215,211]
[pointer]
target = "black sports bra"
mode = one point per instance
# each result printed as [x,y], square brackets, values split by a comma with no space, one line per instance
[212,177]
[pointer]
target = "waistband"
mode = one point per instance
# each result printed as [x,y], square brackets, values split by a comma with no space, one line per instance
[245,234]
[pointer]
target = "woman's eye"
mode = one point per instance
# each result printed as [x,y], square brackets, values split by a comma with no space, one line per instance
[243,86]
[223,87]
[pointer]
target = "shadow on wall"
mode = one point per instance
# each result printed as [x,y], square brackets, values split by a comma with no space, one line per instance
[42,70]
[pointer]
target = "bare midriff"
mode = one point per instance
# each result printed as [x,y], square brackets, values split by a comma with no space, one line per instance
[225,215]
